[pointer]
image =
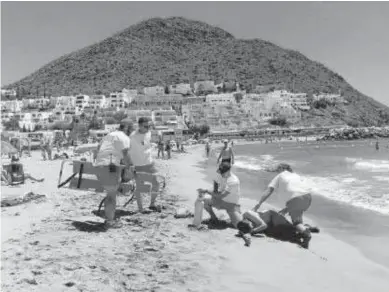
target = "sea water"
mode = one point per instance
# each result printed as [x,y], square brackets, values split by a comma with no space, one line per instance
[349,182]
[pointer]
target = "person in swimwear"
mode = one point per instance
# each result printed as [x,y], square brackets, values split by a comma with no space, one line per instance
[227,154]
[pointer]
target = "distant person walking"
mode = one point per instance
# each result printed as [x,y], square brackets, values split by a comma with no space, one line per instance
[227,154]
[47,146]
[377,145]
[207,149]
[168,149]
[161,152]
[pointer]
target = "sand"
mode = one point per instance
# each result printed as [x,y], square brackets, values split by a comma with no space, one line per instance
[44,249]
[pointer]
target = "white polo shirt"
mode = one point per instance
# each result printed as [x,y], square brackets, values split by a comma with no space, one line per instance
[230,184]
[141,148]
[112,145]
[290,184]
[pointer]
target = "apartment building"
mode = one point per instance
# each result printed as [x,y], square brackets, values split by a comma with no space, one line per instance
[11,105]
[219,99]
[82,101]
[181,88]
[333,98]
[154,90]
[118,100]
[98,102]
[205,86]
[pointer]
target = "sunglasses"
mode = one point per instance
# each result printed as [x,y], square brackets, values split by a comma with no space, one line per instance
[146,126]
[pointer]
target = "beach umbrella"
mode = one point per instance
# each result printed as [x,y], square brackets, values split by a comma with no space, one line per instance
[7,148]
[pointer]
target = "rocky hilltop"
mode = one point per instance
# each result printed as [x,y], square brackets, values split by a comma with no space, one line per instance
[172,50]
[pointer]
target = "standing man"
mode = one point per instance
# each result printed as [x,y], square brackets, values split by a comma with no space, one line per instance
[112,150]
[47,146]
[299,201]
[207,148]
[160,148]
[140,152]
[226,197]
[227,154]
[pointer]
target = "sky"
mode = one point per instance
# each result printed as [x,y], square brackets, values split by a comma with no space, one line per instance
[350,38]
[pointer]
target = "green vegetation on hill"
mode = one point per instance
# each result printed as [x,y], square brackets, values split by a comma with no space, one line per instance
[172,50]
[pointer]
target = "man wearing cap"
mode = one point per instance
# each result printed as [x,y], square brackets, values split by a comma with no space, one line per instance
[140,151]
[226,197]
[227,154]
[111,152]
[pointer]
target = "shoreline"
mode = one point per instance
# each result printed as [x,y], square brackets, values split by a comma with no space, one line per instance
[156,252]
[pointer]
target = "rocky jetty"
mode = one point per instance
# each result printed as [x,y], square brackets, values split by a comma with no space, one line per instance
[357,133]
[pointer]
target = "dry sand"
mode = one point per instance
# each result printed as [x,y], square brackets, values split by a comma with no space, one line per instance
[43,250]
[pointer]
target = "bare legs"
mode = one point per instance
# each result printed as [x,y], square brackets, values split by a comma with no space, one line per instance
[110,205]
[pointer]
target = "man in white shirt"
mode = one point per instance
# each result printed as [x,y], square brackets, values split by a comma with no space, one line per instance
[226,197]
[111,152]
[145,171]
[291,184]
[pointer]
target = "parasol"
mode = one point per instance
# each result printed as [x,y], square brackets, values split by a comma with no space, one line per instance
[7,148]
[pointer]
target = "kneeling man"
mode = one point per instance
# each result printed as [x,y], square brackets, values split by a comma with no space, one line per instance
[226,197]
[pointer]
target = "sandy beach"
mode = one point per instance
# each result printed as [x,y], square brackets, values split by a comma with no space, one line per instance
[46,245]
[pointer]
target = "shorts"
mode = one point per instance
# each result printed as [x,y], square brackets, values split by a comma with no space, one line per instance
[233,210]
[297,206]
[226,160]
[147,173]
[109,180]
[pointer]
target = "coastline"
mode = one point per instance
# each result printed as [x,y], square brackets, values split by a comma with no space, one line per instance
[156,252]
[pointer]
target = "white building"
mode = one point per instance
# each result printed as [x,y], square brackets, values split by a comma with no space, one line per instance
[182,88]
[132,93]
[220,99]
[11,105]
[82,101]
[333,98]
[118,100]
[204,86]
[297,100]
[154,90]
[164,116]
[6,116]
[11,93]
[42,102]
[63,102]
[98,102]
[287,111]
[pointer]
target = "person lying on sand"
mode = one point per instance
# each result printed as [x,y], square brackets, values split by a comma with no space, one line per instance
[291,184]
[270,223]
[226,197]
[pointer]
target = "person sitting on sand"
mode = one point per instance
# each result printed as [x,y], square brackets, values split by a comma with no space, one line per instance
[140,151]
[227,154]
[226,197]
[112,150]
[15,173]
[299,201]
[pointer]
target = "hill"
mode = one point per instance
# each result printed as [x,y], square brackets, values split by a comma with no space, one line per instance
[171,50]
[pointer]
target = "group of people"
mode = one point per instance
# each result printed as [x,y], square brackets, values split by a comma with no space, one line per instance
[122,155]
[226,195]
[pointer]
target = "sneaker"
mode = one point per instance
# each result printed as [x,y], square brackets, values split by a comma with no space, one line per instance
[113,224]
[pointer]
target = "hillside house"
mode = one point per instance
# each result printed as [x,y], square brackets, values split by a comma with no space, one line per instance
[98,102]
[203,87]
[154,90]
[181,88]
